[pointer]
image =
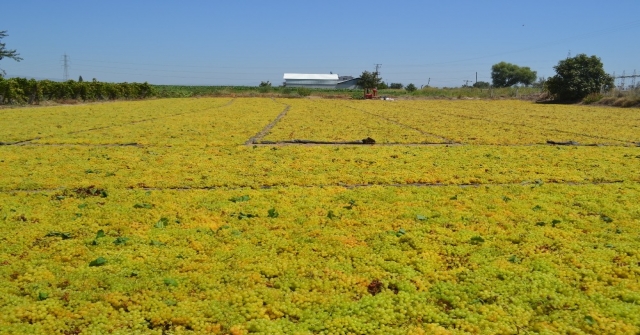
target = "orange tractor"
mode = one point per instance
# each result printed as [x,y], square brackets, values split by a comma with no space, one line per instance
[373,94]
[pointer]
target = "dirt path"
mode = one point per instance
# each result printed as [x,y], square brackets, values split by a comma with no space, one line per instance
[258,137]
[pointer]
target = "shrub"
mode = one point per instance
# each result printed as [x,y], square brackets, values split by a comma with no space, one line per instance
[577,77]
[304,92]
[264,89]
[482,84]
[592,98]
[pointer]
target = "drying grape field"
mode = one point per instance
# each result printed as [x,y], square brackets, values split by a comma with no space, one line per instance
[256,215]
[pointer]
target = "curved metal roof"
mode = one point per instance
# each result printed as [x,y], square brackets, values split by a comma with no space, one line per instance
[310,76]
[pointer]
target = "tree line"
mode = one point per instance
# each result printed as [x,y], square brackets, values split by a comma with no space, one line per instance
[31,91]
[576,78]
[22,90]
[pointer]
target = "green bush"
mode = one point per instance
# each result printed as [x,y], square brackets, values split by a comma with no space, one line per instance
[578,77]
[304,92]
[264,89]
[357,95]
[592,98]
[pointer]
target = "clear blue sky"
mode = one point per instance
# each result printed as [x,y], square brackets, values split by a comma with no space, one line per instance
[244,42]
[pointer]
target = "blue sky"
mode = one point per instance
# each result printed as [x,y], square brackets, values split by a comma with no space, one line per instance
[239,42]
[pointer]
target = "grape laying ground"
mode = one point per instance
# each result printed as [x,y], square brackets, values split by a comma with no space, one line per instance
[182,216]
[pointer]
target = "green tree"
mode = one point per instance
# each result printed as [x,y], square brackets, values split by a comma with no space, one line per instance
[369,80]
[4,52]
[481,84]
[397,86]
[411,87]
[506,74]
[577,77]
[264,87]
[383,86]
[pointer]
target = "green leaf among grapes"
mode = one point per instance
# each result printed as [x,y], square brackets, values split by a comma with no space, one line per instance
[606,218]
[121,240]
[143,205]
[240,199]
[43,296]
[273,213]
[514,259]
[589,320]
[170,282]
[242,215]
[100,261]
[64,236]
[162,223]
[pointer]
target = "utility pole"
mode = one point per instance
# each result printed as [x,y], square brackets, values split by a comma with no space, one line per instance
[65,65]
[622,79]
[377,67]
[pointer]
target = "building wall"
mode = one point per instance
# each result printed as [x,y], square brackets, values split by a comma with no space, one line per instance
[311,83]
[351,84]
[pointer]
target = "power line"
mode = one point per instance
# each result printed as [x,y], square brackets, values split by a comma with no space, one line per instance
[174,71]
[622,79]
[215,66]
[580,36]
[163,76]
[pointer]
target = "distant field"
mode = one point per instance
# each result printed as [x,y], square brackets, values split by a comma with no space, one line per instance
[180,216]
[468,122]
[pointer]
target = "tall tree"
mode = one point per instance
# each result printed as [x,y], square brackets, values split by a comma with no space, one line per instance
[4,52]
[506,74]
[577,77]
[369,80]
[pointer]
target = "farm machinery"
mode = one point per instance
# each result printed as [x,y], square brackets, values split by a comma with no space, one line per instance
[371,93]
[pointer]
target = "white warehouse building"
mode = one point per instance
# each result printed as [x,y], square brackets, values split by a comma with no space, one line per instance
[329,81]
[310,80]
